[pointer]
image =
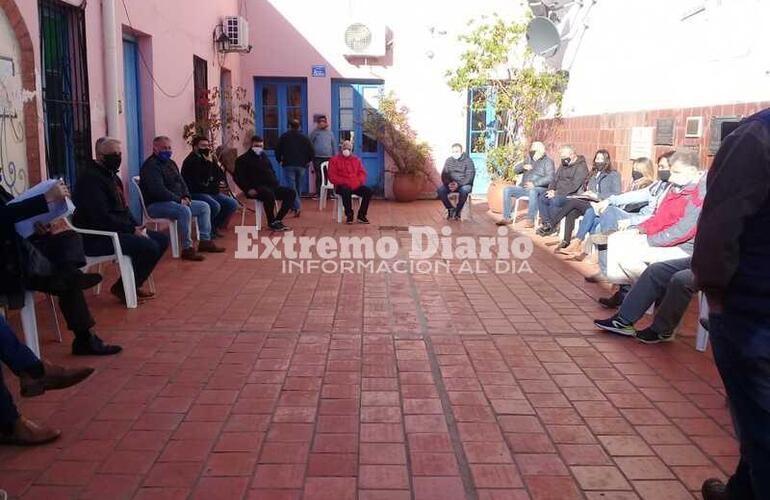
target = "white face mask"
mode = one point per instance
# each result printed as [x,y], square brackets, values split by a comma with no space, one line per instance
[257,150]
[456,156]
[345,152]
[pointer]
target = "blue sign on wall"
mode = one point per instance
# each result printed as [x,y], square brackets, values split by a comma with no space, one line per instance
[319,71]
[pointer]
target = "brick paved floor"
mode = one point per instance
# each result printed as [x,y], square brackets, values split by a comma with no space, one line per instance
[243,382]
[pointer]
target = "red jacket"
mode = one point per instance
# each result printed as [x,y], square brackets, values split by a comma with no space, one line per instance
[676,219]
[346,171]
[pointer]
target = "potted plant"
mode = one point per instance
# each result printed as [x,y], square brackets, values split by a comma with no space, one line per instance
[234,121]
[389,124]
[500,165]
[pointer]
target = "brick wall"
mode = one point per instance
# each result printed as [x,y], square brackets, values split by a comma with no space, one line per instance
[613,131]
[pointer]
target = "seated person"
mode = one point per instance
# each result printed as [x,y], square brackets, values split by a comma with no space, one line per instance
[65,280]
[603,182]
[348,175]
[167,197]
[667,235]
[644,175]
[100,204]
[35,377]
[668,283]
[255,176]
[569,180]
[205,181]
[456,177]
[538,172]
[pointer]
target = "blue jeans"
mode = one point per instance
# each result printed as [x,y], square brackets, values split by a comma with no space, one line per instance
[221,207]
[18,358]
[608,220]
[741,344]
[443,195]
[549,206]
[183,215]
[517,192]
[144,252]
[588,225]
[295,177]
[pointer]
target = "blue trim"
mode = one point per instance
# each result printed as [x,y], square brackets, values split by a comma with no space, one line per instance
[133,106]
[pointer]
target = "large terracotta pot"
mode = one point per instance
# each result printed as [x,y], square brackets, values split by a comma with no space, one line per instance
[407,187]
[495,195]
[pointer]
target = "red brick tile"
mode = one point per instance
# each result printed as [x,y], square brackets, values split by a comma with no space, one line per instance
[540,464]
[173,474]
[382,453]
[693,477]
[128,462]
[335,443]
[220,487]
[662,434]
[571,434]
[520,423]
[584,454]
[595,477]
[279,476]
[284,453]
[185,451]
[496,476]
[625,445]
[290,433]
[230,464]
[384,495]
[332,464]
[423,406]
[479,432]
[295,414]
[433,464]
[434,442]
[340,424]
[110,486]
[330,488]
[643,468]
[381,414]
[239,441]
[530,443]
[487,453]
[376,477]
[503,495]
[438,488]
[674,454]
[382,433]
[67,473]
[670,490]
[552,488]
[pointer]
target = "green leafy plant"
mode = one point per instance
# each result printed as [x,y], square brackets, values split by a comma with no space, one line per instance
[521,87]
[235,120]
[389,124]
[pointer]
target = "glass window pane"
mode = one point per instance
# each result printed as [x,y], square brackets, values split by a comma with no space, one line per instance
[372,97]
[271,138]
[479,120]
[270,117]
[295,95]
[368,143]
[478,142]
[346,97]
[269,95]
[346,119]
[346,135]
[294,114]
[478,99]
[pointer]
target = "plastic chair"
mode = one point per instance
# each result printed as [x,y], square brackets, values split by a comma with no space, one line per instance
[338,206]
[259,210]
[563,227]
[173,226]
[326,186]
[467,212]
[702,337]
[28,318]
[515,213]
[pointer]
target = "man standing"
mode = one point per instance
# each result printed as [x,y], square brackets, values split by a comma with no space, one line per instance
[324,147]
[255,176]
[167,197]
[348,175]
[101,205]
[294,152]
[731,264]
[205,179]
[538,172]
[456,177]
[569,179]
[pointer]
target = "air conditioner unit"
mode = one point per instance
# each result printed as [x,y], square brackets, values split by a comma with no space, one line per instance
[364,39]
[236,28]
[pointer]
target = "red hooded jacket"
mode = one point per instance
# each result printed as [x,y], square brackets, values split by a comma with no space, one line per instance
[346,171]
[676,219]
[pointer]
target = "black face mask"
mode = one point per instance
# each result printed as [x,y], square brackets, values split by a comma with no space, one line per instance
[204,151]
[636,175]
[664,175]
[112,162]
[599,165]
[565,162]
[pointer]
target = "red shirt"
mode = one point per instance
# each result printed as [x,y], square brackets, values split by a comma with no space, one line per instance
[346,171]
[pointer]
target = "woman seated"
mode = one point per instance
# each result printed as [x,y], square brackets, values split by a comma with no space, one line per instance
[602,182]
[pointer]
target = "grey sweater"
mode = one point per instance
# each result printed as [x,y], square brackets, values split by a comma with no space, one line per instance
[324,143]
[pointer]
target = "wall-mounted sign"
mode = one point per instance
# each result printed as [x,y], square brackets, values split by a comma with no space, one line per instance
[641,142]
[664,132]
[693,127]
[318,71]
[715,132]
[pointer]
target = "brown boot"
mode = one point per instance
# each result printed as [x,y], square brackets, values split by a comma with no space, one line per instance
[28,433]
[209,246]
[191,254]
[573,247]
[54,377]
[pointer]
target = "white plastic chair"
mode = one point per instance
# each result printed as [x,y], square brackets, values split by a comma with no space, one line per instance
[563,227]
[28,318]
[259,211]
[326,185]
[702,337]
[467,212]
[515,213]
[173,226]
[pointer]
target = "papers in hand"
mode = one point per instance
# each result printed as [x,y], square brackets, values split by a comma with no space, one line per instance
[26,228]
[585,196]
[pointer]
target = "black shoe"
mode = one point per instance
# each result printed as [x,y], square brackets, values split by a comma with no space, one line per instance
[457,217]
[650,336]
[278,226]
[561,246]
[714,489]
[616,325]
[450,213]
[545,230]
[349,219]
[612,302]
[85,281]
[93,346]
[362,219]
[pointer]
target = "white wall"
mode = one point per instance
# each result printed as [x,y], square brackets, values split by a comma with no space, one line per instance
[13,150]
[639,55]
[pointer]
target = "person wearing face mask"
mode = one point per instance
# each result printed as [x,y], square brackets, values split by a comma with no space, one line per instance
[324,147]
[348,175]
[456,177]
[569,180]
[536,172]
[255,176]
[205,179]
[101,205]
[167,197]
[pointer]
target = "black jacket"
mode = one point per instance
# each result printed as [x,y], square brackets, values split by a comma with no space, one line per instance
[294,150]
[10,264]
[201,175]
[570,179]
[604,184]
[161,181]
[541,173]
[461,170]
[253,171]
[100,203]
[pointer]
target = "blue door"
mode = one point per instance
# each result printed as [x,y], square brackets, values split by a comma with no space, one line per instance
[482,134]
[276,102]
[132,110]
[351,102]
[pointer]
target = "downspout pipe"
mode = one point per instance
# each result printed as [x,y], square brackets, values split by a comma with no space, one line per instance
[109,29]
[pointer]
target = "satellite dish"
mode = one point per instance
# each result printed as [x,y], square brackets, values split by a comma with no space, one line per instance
[543,36]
